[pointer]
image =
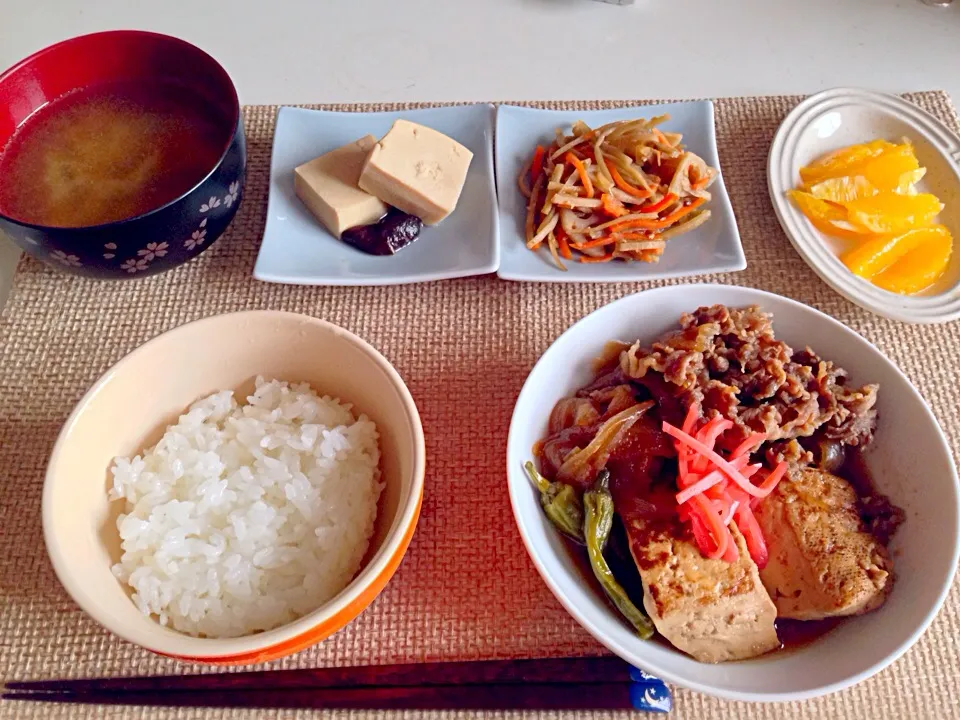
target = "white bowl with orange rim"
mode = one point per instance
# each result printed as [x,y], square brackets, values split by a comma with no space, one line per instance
[132,404]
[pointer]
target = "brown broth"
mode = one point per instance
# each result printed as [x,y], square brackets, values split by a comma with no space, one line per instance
[108,153]
[796,634]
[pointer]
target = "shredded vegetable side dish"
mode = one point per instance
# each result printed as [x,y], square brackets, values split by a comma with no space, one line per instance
[616,192]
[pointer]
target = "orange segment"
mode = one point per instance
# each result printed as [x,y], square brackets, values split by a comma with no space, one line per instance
[825,216]
[905,186]
[875,256]
[892,213]
[843,189]
[814,207]
[922,267]
[867,194]
[885,171]
[841,161]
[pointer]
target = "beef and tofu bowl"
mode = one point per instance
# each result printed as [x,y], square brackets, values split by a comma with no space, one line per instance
[734,491]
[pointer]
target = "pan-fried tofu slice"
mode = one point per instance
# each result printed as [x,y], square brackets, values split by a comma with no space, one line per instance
[822,562]
[710,609]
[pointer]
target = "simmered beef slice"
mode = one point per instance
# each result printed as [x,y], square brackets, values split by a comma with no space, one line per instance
[710,609]
[822,561]
[729,362]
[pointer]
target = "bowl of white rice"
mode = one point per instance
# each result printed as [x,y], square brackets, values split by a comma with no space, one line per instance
[236,489]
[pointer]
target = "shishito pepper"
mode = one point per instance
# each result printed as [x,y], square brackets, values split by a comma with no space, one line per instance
[597,524]
[561,504]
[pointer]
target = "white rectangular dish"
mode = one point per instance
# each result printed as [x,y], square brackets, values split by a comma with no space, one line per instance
[714,247]
[297,249]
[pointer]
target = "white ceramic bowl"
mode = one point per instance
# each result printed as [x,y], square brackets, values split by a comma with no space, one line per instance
[908,438]
[840,117]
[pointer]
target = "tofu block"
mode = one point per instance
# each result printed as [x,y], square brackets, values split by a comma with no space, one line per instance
[712,610]
[418,170]
[328,186]
[822,562]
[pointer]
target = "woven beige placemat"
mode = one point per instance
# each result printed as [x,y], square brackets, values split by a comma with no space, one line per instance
[466,588]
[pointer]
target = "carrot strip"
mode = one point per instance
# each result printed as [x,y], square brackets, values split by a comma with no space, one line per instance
[581,171]
[536,167]
[601,259]
[702,182]
[639,236]
[638,223]
[564,245]
[729,470]
[677,214]
[612,206]
[663,222]
[660,204]
[623,184]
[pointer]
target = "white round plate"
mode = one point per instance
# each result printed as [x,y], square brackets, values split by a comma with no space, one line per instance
[840,117]
[909,460]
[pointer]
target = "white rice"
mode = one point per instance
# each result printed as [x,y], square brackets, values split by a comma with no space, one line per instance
[246,517]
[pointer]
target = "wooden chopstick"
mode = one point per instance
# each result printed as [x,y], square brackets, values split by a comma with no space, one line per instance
[550,684]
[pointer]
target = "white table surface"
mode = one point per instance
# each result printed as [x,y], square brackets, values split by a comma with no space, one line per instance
[300,51]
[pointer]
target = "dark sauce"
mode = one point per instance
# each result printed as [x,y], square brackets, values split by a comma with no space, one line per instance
[796,634]
[617,555]
[880,516]
[854,470]
[621,562]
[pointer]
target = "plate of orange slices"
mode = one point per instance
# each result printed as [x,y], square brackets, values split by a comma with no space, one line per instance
[867,188]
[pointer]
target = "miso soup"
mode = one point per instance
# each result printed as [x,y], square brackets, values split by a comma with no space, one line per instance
[108,153]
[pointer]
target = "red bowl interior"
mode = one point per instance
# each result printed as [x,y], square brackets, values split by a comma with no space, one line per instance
[118,55]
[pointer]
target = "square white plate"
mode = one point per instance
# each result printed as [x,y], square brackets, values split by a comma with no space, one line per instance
[713,247]
[297,249]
